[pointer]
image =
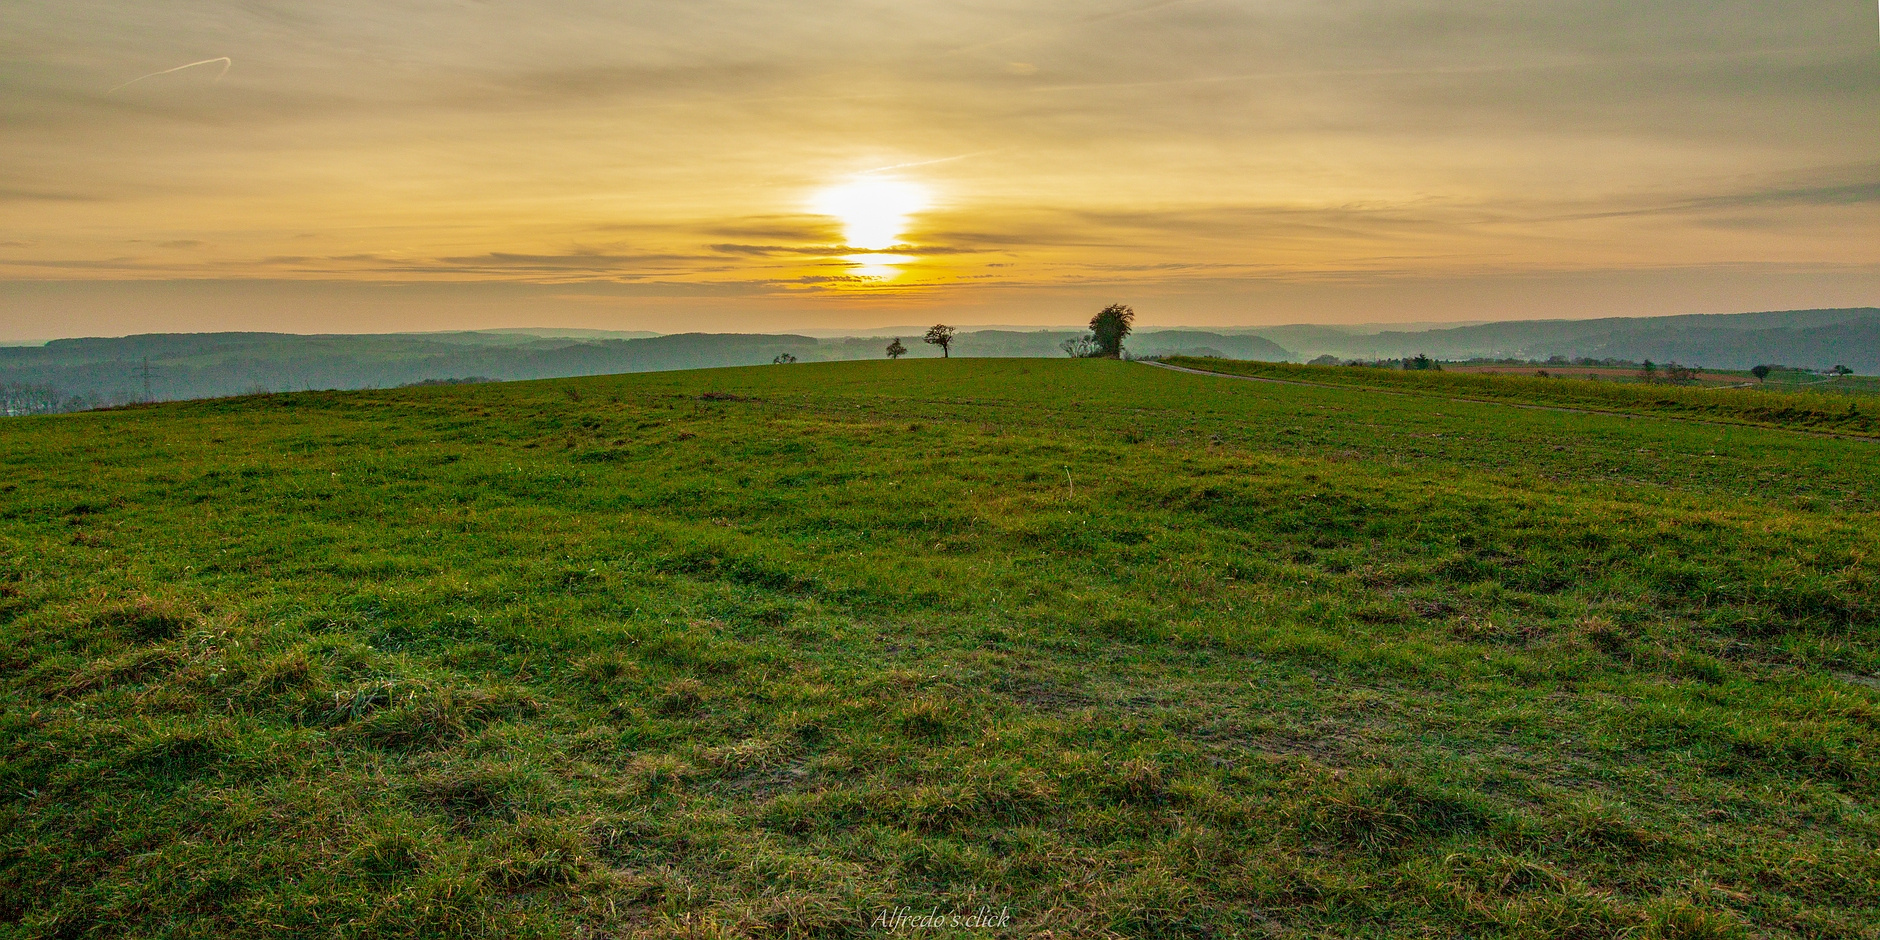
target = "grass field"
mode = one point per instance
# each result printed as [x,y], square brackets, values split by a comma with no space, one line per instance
[1845,412]
[1705,378]
[1811,382]
[1097,648]
[1781,380]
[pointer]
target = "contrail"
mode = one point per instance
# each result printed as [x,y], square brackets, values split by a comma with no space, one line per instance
[227,63]
[902,166]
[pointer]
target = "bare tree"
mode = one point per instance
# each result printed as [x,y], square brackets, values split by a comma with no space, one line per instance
[941,335]
[18,398]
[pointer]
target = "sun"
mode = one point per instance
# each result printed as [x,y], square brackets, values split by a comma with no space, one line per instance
[874,210]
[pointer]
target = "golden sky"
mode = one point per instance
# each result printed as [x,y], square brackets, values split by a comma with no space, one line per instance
[730,164]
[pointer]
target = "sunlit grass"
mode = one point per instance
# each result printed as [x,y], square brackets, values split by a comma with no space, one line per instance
[1786,406]
[771,651]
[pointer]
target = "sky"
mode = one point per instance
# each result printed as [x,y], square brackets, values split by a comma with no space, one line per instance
[387,165]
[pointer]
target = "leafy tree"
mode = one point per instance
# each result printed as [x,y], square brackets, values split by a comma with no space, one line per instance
[1108,328]
[942,335]
[783,359]
[1761,373]
[896,350]
[1679,375]
[1648,372]
[1841,370]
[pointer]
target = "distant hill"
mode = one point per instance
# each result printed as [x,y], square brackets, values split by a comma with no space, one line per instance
[1198,343]
[102,371]
[572,333]
[205,365]
[1816,339]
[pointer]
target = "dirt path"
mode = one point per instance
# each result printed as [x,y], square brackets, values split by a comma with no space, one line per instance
[1496,401]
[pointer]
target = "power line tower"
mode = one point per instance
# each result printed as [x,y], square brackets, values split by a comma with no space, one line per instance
[146,372]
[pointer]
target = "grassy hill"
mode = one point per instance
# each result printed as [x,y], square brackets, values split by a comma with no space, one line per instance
[1101,648]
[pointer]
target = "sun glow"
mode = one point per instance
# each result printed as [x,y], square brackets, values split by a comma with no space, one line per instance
[874,211]
[876,266]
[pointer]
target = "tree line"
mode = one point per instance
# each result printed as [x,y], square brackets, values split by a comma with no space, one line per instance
[18,399]
[1104,341]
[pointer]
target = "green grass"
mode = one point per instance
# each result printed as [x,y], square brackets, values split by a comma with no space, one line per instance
[1806,410]
[774,651]
[1799,380]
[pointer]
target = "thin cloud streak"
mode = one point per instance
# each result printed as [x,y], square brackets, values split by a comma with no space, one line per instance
[227,63]
[1498,68]
[1081,21]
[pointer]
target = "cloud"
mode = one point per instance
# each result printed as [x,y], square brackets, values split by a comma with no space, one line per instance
[1831,188]
[766,250]
[1842,194]
[572,266]
[776,229]
[823,251]
[566,267]
[823,279]
[10,194]
[1124,139]
[580,261]
[117,265]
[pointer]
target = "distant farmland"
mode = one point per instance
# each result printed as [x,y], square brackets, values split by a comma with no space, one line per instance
[1105,649]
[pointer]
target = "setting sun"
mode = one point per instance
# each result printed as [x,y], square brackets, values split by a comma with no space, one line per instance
[874,212]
